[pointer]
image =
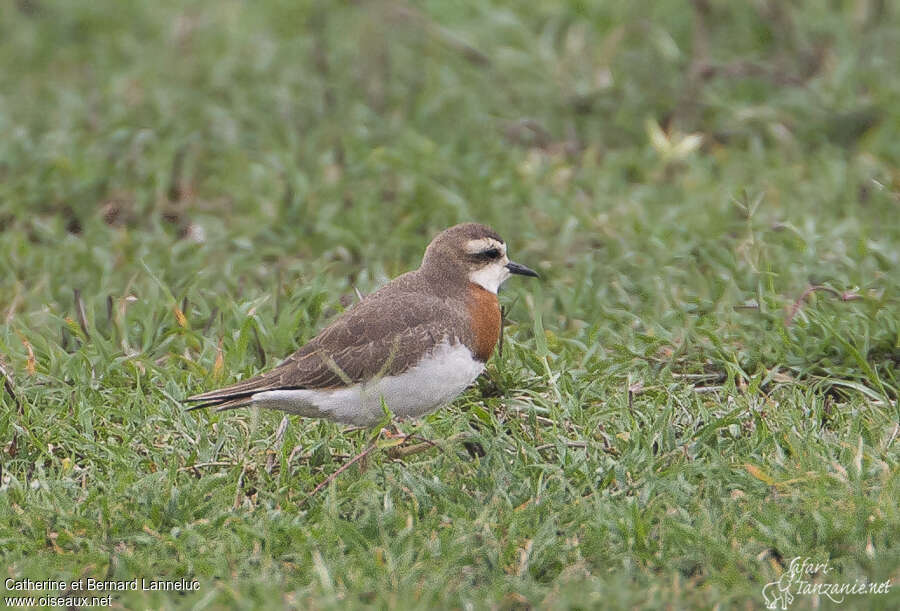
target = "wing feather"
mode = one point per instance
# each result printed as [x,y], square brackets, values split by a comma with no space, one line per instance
[361,344]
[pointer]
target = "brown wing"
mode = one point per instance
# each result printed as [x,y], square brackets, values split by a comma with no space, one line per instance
[375,337]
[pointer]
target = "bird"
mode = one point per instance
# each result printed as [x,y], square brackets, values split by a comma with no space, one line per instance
[414,344]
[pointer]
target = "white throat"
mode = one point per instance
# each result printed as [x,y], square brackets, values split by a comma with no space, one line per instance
[490,277]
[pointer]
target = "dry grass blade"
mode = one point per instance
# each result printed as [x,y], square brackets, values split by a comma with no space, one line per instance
[336,474]
[279,442]
[798,304]
[402,10]
[79,312]
[210,320]
[10,389]
[568,444]
[260,353]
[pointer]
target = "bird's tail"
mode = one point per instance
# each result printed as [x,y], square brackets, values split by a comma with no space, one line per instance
[230,397]
[221,404]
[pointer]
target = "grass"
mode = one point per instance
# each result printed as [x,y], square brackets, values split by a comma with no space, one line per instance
[669,422]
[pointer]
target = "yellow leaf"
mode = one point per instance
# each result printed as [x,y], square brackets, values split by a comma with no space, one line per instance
[73,326]
[391,442]
[220,361]
[30,362]
[687,145]
[759,474]
[657,137]
[179,316]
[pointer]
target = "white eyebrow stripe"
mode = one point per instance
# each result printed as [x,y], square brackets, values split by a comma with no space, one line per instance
[483,244]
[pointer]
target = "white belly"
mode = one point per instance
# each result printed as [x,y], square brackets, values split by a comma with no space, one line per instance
[435,381]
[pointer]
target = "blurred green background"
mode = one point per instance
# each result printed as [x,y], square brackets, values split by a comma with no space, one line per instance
[703,386]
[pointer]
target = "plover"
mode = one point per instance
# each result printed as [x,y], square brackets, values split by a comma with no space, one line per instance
[416,343]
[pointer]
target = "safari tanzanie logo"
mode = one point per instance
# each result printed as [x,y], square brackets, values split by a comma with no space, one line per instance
[805,577]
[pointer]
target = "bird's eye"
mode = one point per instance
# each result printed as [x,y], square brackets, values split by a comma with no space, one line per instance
[491,253]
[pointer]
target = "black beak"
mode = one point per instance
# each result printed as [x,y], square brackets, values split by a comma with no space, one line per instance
[516,268]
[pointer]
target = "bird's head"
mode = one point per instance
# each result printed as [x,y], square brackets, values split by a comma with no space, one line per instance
[475,253]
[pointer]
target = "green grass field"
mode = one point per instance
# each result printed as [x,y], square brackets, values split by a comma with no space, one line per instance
[703,386]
